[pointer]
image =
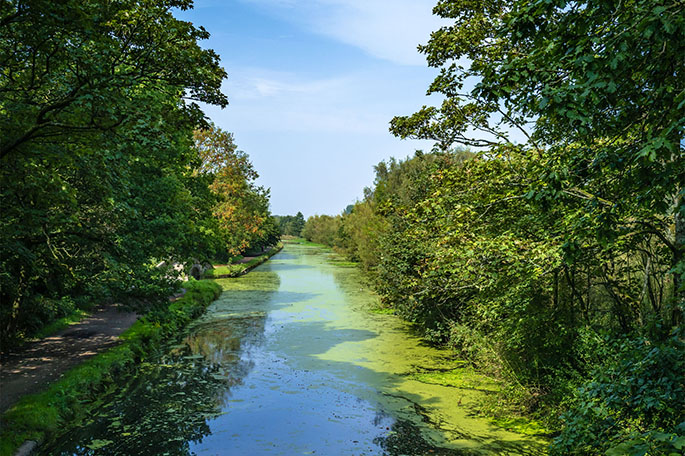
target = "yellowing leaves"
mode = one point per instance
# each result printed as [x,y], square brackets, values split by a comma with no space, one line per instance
[242,208]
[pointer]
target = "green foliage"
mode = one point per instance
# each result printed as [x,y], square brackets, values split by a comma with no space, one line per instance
[97,109]
[633,402]
[241,208]
[103,181]
[600,103]
[78,69]
[61,323]
[323,229]
[460,248]
[361,231]
[74,394]
[269,235]
[530,252]
[291,225]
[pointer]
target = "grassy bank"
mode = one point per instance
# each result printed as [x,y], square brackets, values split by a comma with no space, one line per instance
[236,269]
[76,393]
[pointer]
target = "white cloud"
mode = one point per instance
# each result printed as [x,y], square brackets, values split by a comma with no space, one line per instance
[261,83]
[264,100]
[315,124]
[387,29]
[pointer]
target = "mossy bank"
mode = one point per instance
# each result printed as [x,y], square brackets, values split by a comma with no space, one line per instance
[67,401]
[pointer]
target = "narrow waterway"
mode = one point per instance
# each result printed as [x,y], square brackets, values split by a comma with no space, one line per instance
[292,361]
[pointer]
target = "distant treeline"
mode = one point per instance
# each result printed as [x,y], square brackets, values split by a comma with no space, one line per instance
[108,166]
[557,264]
[290,225]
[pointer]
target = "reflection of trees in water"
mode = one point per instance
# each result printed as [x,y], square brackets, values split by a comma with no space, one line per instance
[406,438]
[168,403]
[223,343]
[161,411]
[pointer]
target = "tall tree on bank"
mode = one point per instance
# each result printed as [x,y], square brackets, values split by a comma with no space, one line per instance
[241,207]
[598,89]
[97,108]
[291,225]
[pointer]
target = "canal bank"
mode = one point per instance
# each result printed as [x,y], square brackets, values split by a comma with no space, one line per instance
[291,360]
[77,392]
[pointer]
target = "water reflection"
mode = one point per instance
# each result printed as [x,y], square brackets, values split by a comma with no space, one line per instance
[168,404]
[161,411]
[289,361]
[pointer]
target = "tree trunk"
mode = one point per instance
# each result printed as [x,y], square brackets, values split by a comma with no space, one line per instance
[678,258]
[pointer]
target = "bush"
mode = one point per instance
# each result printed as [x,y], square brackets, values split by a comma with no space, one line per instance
[633,404]
[323,229]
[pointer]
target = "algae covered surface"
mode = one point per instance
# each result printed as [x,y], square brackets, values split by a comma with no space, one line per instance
[292,360]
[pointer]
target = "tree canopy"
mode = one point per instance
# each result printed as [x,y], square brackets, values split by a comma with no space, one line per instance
[556,263]
[78,69]
[596,86]
[101,179]
[241,207]
[291,225]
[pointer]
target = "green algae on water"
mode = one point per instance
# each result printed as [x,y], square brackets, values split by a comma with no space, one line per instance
[291,359]
[464,378]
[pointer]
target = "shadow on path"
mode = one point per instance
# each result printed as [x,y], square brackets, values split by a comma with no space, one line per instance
[37,364]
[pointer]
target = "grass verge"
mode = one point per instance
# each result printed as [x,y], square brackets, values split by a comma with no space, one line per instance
[234,270]
[75,394]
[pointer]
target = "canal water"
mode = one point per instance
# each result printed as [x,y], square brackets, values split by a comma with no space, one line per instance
[292,360]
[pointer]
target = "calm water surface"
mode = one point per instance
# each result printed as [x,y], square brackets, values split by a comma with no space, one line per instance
[290,361]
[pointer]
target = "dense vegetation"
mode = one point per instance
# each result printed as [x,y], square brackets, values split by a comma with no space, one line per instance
[102,178]
[240,209]
[291,225]
[558,263]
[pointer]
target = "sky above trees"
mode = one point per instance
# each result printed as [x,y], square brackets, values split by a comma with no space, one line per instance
[312,87]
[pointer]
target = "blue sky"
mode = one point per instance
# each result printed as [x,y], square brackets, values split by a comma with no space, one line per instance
[312,87]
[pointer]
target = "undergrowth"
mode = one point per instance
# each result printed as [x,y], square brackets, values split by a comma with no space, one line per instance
[57,325]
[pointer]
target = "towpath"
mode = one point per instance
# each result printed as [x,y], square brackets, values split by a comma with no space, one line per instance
[31,368]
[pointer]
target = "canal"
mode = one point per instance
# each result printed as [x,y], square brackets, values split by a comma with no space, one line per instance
[292,360]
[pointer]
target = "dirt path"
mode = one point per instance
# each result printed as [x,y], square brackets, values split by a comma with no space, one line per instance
[37,364]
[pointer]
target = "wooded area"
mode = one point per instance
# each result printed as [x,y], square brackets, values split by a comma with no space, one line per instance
[109,167]
[556,264]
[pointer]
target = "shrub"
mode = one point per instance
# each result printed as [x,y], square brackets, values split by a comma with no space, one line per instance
[633,404]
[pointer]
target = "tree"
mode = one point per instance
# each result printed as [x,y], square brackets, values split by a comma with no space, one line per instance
[291,225]
[241,207]
[323,229]
[297,224]
[597,88]
[97,108]
[72,67]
